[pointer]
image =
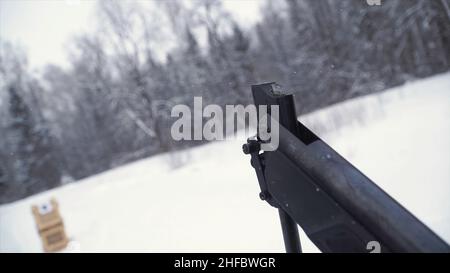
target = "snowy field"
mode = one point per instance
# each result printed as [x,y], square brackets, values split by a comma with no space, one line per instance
[399,138]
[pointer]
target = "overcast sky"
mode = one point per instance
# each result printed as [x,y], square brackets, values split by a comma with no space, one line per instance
[44,27]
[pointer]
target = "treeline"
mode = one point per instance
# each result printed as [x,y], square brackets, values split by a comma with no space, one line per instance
[112,104]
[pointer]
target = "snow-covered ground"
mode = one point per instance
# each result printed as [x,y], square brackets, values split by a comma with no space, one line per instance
[400,139]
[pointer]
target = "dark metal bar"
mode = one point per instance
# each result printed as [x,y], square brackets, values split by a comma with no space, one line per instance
[290,233]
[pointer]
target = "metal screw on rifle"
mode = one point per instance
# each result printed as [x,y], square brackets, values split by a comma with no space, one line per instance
[246,149]
[250,147]
[264,196]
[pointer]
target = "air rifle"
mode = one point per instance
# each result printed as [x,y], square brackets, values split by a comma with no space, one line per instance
[337,206]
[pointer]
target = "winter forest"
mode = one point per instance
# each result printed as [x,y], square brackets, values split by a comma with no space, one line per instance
[112,104]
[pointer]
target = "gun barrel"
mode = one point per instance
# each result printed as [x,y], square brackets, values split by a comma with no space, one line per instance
[379,213]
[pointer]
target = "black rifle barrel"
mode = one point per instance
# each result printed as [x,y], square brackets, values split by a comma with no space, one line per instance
[359,196]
